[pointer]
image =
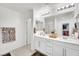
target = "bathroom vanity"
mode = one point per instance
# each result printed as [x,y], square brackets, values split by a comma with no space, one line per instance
[64,44]
[56,46]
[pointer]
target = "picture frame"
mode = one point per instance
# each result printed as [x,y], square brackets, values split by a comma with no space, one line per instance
[8,34]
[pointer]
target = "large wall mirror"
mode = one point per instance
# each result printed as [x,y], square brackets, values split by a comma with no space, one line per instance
[49,24]
[39,25]
[61,24]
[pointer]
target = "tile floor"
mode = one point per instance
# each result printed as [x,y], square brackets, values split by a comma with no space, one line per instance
[23,51]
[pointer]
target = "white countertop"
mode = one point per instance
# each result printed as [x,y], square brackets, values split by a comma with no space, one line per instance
[68,40]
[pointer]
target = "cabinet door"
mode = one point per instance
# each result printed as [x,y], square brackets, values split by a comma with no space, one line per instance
[72,52]
[49,47]
[45,47]
[42,45]
[58,50]
[48,51]
[36,43]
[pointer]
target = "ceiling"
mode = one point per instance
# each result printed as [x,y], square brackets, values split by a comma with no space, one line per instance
[22,7]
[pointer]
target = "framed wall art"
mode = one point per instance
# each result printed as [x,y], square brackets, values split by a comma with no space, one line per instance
[8,34]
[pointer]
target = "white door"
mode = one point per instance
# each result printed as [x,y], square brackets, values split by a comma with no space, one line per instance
[28,31]
[26,28]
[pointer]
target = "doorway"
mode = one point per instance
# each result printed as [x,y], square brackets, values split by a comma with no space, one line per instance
[28,31]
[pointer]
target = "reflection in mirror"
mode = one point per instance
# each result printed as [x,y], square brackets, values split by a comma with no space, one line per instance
[39,29]
[77,22]
[49,24]
[39,26]
[76,27]
[65,29]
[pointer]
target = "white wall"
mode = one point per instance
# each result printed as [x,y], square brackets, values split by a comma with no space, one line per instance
[10,18]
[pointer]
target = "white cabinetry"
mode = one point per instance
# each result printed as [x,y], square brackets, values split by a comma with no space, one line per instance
[42,45]
[48,51]
[45,46]
[48,47]
[58,50]
[55,48]
[37,43]
[71,52]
